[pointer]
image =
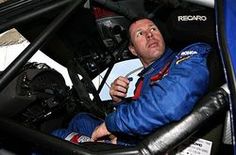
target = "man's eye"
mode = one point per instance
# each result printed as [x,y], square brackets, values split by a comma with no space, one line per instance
[140,33]
[153,29]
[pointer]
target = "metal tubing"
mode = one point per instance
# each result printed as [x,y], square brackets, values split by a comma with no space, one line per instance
[11,71]
[9,23]
[208,3]
[105,78]
[13,5]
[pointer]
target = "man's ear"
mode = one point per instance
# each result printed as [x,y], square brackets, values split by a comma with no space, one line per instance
[132,50]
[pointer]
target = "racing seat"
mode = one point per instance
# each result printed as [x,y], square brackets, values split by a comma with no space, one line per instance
[207,119]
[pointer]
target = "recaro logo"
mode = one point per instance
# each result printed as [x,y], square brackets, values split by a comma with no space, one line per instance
[192,18]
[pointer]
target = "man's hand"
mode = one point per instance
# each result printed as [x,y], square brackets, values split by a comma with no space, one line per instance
[101,131]
[119,89]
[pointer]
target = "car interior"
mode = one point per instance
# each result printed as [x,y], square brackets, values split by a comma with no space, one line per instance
[87,37]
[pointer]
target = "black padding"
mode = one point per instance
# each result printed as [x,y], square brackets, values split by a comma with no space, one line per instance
[216,72]
[170,136]
[191,25]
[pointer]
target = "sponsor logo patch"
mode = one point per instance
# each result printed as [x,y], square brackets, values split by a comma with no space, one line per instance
[186,18]
[76,138]
[184,56]
[188,53]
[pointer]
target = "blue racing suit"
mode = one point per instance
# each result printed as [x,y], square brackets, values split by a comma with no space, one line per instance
[170,88]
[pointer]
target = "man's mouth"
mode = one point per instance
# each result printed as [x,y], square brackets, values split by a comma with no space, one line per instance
[152,44]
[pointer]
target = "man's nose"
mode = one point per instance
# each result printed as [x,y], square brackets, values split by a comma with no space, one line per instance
[149,34]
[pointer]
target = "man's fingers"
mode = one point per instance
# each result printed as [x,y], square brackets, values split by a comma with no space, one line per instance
[119,89]
[124,79]
[117,96]
[113,139]
[117,93]
[121,81]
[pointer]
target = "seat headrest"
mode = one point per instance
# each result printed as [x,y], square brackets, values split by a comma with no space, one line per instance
[191,25]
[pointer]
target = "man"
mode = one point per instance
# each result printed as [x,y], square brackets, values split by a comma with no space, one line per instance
[169,86]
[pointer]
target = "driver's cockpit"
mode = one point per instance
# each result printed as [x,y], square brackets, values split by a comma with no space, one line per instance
[202,131]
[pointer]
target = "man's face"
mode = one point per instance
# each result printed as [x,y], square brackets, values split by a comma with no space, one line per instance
[147,41]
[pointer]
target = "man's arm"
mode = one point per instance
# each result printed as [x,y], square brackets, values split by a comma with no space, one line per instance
[167,100]
[117,92]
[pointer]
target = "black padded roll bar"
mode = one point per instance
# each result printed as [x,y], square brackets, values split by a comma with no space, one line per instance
[11,14]
[170,136]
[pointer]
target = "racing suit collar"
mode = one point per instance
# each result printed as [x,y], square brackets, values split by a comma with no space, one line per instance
[159,63]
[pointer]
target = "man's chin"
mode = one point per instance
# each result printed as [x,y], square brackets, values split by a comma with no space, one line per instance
[154,50]
[156,53]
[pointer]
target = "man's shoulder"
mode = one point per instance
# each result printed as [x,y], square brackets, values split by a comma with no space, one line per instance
[200,48]
[195,48]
